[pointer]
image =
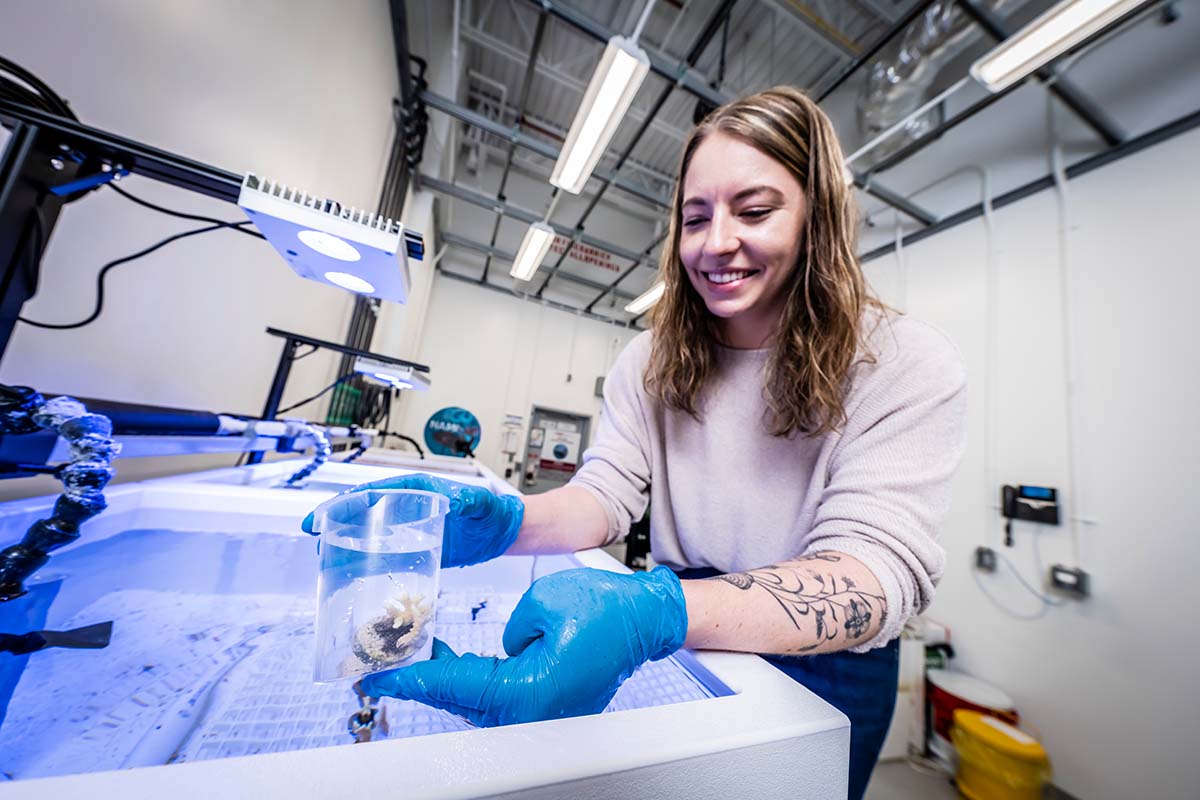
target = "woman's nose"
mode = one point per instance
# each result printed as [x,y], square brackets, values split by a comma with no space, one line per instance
[722,236]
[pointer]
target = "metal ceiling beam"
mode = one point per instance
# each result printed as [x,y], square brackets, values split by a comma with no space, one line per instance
[612,287]
[540,301]
[521,214]
[901,204]
[932,136]
[502,48]
[454,240]
[800,14]
[538,36]
[517,295]
[880,9]
[714,24]
[542,148]
[1127,148]
[557,133]
[1062,88]
[913,13]
[677,73]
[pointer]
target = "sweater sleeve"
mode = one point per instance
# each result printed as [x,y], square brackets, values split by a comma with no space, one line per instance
[888,486]
[616,467]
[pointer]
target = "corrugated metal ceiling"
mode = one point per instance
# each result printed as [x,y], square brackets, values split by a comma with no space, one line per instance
[806,43]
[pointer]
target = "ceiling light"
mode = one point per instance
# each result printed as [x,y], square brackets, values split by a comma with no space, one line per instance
[1058,30]
[618,76]
[323,241]
[534,247]
[350,282]
[646,299]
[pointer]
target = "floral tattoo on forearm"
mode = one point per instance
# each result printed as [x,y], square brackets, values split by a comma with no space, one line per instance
[836,604]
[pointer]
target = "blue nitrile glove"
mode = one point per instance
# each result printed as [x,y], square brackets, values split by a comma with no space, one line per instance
[572,640]
[481,525]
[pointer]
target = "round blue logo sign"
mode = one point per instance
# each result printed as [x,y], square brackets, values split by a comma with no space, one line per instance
[452,431]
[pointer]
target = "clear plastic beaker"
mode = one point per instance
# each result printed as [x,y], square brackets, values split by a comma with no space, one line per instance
[381,550]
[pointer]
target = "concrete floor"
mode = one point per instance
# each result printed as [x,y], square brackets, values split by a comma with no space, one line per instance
[896,780]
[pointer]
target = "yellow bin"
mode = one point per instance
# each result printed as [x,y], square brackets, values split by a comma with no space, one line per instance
[997,761]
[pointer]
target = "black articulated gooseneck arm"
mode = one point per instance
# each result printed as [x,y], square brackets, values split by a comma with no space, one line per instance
[22,411]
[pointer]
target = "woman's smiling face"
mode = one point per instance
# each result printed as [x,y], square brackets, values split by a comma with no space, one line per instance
[740,237]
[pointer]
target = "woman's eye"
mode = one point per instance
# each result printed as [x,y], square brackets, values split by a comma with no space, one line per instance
[756,213]
[694,222]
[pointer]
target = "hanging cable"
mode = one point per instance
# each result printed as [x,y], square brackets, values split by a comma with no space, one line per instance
[1042,608]
[100,277]
[1074,505]
[403,438]
[571,349]
[318,395]
[180,214]
[991,337]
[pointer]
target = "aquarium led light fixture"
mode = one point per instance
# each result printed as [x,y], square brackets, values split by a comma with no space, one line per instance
[323,241]
[394,375]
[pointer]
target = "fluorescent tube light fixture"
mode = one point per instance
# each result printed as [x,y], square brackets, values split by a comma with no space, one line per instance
[646,299]
[1058,30]
[534,247]
[323,241]
[394,375]
[618,76]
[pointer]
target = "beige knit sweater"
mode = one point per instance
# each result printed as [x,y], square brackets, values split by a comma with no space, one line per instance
[727,494]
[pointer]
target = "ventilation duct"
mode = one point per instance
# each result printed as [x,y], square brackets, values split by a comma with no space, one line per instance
[899,81]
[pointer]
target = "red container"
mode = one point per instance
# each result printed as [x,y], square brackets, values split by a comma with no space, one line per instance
[947,690]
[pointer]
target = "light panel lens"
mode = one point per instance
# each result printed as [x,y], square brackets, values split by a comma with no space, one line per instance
[351,282]
[329,245]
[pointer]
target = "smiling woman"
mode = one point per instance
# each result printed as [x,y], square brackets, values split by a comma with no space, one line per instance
[794,440]
[761,254]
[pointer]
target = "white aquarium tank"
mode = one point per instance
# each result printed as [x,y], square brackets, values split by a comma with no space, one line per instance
[208,682]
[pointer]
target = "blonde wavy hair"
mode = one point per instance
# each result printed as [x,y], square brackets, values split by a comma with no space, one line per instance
[820,331]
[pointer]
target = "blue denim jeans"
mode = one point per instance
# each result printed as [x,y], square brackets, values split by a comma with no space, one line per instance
[860,685]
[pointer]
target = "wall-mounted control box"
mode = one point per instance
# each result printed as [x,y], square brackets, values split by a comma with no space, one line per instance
[1070,580]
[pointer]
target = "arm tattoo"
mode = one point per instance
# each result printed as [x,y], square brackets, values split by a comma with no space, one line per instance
[831,601]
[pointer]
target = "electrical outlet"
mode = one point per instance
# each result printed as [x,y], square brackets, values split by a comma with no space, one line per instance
[1070,580]
[985,559]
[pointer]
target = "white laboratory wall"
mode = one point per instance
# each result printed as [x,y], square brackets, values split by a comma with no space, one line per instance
[299,90]
[1108,682]
[497,355]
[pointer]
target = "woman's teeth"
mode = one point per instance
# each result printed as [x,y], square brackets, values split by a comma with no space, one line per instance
[728,277]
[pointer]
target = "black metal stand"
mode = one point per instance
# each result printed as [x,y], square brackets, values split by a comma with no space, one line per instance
[291,341]
[33,161]
[48,155]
